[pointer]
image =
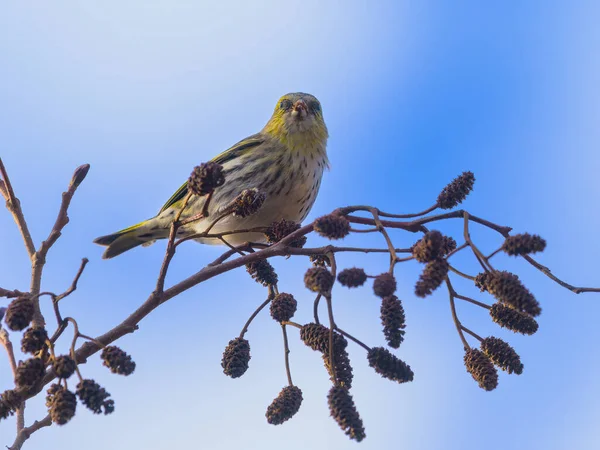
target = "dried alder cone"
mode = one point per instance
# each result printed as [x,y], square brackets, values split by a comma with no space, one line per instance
[353,277]
[456,191]
[19,314]
[236,358]
[319,279]
[342,372]
[34,340]
[512,307]
[95,397]
[262,271]
[61,404]
[205,178]
[481,369]
[117,360]
[393,320]
[64,366]
[343,410]
[285,405]
[502,355]
[248,202]
[514,320]
[279,230]
[508,289]
[384,285]
[432,277]
[29,372]
[389,366]
[332,226]
[523,244]
[9,402]
[316,336]
[283,307]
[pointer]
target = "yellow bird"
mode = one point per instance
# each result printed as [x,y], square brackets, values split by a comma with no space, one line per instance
[285,161]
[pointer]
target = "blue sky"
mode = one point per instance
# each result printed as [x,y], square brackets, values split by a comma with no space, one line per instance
[413,94]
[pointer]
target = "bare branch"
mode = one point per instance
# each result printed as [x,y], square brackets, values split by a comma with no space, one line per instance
[39,257]
[286,350]
[73,286]
[14,206]
[232,258]
[10,294]
[25,433]
[458,325]
[7,344]
[546,271]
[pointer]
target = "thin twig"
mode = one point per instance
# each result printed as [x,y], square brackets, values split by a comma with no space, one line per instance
[408,258]
[408,216]
[480,256]
[76,336]
[89,338]
[470,300]
[39,257]
[546,271]
[457,249]
[229,253]
[350,209]
[14,206]
[207,235]
[231,247]
[458,272]
[352,338]
[498,250]
[7,344]
[331,327]
[73,286]
[457,323]
[316,308]
[367,230]
[287,355]
[255,313]
[10,294]
[25,433]
[391,248]
[418,225]
[170,251]
[333,249]
[466,330]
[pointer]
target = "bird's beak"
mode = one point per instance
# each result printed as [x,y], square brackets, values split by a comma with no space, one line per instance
[300,109]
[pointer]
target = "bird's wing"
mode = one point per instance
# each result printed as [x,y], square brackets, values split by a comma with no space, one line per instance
[239,149]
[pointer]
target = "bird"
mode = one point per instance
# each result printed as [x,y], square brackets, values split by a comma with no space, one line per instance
[285,161]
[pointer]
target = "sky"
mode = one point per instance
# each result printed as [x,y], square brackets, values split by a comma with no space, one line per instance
[413,93]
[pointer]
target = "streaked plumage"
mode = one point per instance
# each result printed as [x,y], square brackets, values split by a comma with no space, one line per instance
[285,160]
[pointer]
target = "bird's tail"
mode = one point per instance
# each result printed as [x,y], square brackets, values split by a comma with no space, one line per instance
[131,237]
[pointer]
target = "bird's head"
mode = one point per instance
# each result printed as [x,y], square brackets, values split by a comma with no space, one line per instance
[298,121]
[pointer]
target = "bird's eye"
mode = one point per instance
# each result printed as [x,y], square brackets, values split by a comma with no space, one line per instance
[315,107]
[285,104]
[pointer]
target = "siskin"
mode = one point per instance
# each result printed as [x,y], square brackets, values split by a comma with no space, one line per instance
[285,161]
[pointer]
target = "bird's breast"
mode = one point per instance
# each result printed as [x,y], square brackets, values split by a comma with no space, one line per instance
[290,181]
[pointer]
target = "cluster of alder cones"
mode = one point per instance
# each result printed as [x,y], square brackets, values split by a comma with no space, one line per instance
[515,309]
[30,373]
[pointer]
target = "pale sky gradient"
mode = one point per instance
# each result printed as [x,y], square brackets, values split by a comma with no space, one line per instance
[413,94]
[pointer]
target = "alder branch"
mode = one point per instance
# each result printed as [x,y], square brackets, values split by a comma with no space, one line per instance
[26,433]
[243,255]
[39,257]
[8,347]
[14,206]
